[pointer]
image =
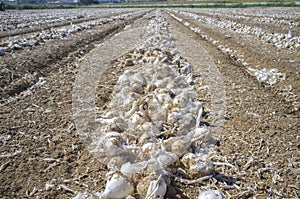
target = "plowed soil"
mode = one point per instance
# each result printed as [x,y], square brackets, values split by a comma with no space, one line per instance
[41,155]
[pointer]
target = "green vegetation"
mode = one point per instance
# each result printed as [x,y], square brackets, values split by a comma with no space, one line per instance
[2,6]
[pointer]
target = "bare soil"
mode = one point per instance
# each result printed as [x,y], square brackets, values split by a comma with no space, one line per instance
[261,135]
[41,156]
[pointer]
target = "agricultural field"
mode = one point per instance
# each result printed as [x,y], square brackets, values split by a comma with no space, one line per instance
[150,103]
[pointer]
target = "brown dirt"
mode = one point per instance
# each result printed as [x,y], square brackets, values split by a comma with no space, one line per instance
[258,54]
[261,125]
[17,65]
[44,27]
[252,21]
[41,124]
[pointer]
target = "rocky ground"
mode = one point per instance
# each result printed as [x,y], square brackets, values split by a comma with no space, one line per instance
[257,153]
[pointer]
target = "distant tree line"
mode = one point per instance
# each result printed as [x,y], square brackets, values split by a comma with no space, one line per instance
[88,2]
[2,6]
[31,1]
[82,2]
